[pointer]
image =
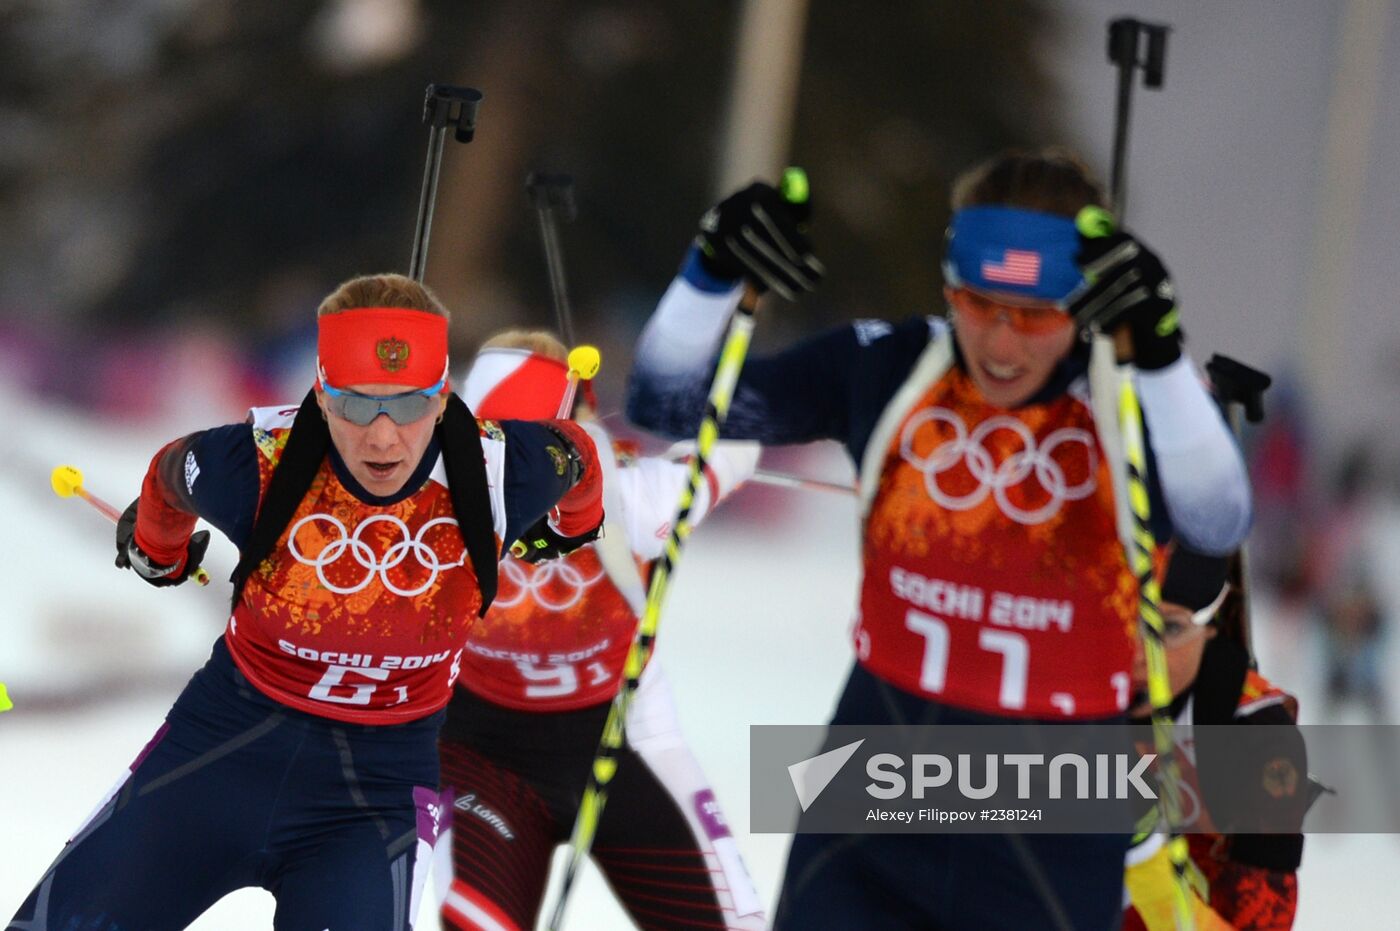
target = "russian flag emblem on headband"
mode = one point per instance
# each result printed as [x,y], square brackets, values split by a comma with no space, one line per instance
[1017,266]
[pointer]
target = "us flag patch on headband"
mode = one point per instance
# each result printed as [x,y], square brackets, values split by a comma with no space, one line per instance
[1024,253]
[1018,266]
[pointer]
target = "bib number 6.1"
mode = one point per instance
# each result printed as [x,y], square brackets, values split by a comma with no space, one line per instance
[360,691]
[933,672]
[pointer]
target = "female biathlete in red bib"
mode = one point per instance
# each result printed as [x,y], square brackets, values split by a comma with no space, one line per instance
[303,757]
[538,676]
[995,583]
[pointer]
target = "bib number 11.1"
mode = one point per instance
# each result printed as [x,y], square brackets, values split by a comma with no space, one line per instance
[1015,654]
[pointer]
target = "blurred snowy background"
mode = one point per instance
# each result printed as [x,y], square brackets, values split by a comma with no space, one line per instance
[181,180]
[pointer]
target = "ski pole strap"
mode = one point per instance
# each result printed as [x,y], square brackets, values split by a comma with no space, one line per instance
[595,793]
[1151,629]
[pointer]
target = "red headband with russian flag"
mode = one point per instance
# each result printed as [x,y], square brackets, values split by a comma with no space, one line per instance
[515,384]
[381,346]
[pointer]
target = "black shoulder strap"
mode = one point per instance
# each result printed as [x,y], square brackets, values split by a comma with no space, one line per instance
[306,447]
[1224,666]
[465,461]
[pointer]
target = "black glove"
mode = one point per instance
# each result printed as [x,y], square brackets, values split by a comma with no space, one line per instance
[541,542]
[130,556]
[1128,286]
[757,235]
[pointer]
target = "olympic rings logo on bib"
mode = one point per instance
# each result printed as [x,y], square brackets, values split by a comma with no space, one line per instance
[556,585]
[363,554]
[1034,462]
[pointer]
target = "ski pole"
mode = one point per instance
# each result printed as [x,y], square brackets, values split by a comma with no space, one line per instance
[67,482]
[799,483]
[583,366]
[1125,50]
[584,362]
[443,106]
[1241,389]
[731,360]
[551,196]
[595,793]
[1125,41]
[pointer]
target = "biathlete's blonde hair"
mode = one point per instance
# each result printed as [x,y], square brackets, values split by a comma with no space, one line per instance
[540,342]
[388,290]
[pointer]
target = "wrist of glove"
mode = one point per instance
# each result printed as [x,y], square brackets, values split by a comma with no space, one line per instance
[541,542]
[758,236]
[1129,287]
[131,556]
[732,462]
[568,461]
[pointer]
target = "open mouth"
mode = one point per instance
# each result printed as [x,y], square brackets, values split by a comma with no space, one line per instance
[381,469]
[1002,374]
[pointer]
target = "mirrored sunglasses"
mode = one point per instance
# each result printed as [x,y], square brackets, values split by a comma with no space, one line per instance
[1034,321]
[362,409]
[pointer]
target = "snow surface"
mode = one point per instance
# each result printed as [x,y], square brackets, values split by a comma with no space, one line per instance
[754,633]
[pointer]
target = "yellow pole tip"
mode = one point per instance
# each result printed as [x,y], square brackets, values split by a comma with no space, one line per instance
[5,703]
[66,480]
[585,360]
[795,187]
[1094,222]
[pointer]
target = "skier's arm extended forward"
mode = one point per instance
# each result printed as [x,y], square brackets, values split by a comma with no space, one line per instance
[793,397]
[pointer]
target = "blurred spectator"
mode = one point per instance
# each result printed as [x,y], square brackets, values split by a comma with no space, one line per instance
[1279,459]
[1343,582]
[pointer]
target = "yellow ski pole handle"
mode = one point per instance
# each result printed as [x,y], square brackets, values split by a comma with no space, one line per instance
[584,362]
[1154,649]
[67,482]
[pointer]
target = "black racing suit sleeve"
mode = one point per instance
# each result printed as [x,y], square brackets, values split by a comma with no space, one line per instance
[1261,802]
[214,474]
[545,461]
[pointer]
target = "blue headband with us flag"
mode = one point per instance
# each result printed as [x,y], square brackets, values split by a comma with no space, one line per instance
[1007,250]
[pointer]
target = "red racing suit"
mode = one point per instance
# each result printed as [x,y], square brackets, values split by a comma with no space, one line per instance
[362,611]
